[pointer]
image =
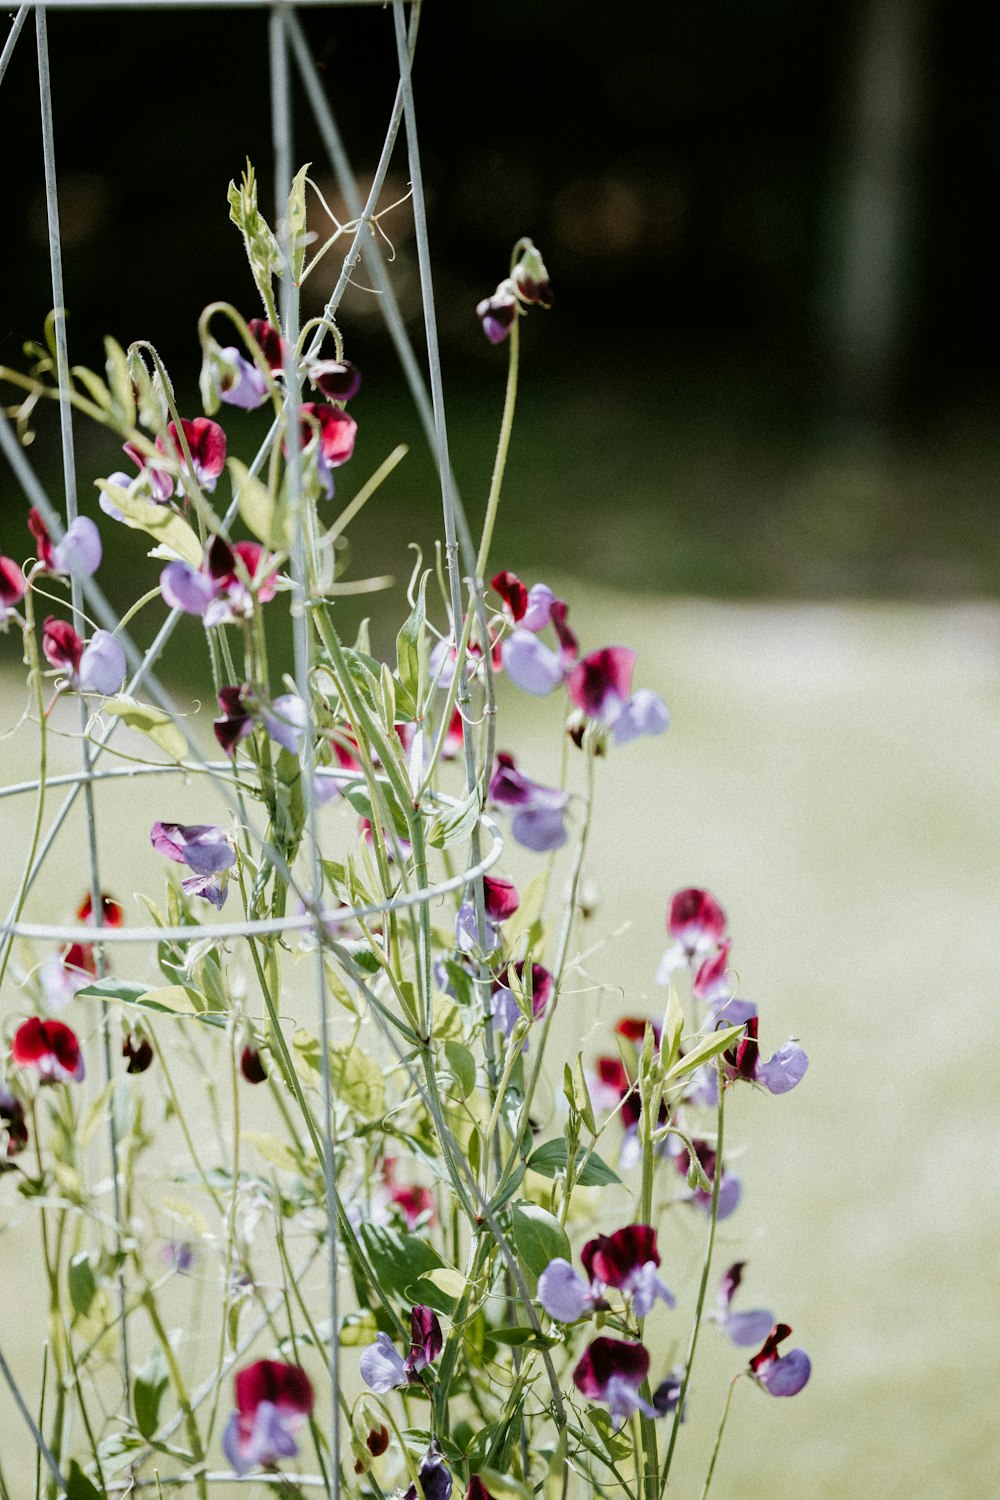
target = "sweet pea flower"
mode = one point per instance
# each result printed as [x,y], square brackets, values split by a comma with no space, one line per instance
[237,719]
[51,1048]
[627,1260]
[435,1477]
[206,443]
[415,1203]
[226,584]
[539,811]
[78,555]
[12,587]
[329,432]
[497,313]
[381,1365]
[97,667]
[529,608]
[138,1053]
[730,1186]
[613,1371]
[273,1400]
[600,685]
[744,1329]
[270,342]
[337,379]
[251,1065]
[13,1127]
[501,901]
[784,1375]
[778,1073]
[238,381]
[504,1008]
[205,849]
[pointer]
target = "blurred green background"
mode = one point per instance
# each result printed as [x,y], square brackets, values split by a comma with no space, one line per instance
[757,440]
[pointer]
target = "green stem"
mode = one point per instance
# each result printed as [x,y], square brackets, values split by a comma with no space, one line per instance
[503,448]
[718,1435]
[703,1286]
[180,1388]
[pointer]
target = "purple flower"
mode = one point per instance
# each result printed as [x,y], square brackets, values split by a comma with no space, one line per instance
[237,719]
[238,380]
[730,1186]
[613,1371]
[744,1329]
[468,937]
[600,685]
[205,849]
[504,1007]
[285,720]
[79,552]
[102,665]
[627,1260]
[779,1074]
[381,1365]
[497,313]
[223,589]
[784,1376]
[272,1402]
[563,1292]
[338,379]
[435,1477]
[531,665]
[539,811]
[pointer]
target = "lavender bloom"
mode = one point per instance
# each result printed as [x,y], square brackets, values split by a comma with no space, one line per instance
[783,1070]
[79,552]
[563,1292]
[102,665]
[240,382]
[285,721]
[205,849]
[744,1329]
[628,1260]
[468,938]
[643,713]
[539,811]
[497,313]
[532,666]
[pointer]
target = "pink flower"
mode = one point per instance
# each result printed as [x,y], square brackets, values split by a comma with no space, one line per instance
[207,444]
[51,1048]
[273,1400]
[329,432]
[12,586]
[225,587]
[97,667]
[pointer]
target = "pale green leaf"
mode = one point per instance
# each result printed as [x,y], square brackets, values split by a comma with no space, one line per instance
[155,723]
[167,529]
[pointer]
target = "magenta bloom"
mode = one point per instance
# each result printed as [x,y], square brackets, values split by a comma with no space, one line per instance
[273,1400]
[381,1365]
[539,811]
[251,1065]
[237,719]
[61,646]
[600,685]
[207,444]
[501,896]
[697,924]
[730,1186]
[272,345]
[613,1371]
[744,1329]
[49,1047]
[784,1375]
[333,433]
[12,586]
[13,1127]
[205,849]
[532,608]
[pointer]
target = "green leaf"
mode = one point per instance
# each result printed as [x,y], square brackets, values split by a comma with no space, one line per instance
[503,1487]
[397,1259]
[166,528]
[672,1029]
[261,245]
[538,1236]
[411,646]
[455,825]
[519,1335]
[555,1477]
[150,1385]
[709,1048]
[617,1445]
[120,383]
[298,236]
[357,796]
[170,999]
[553,1157]
[155,723]
[263,515]
[82,1283]
[463,1065]
[78,1486]
[356,1077]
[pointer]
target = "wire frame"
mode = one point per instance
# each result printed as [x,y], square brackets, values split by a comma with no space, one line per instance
[292,72]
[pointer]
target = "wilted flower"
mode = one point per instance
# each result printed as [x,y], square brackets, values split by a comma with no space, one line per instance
[273,1400]
[338,379]
[51,1048]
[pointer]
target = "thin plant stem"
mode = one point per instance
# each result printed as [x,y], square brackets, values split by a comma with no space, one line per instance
[718,1435]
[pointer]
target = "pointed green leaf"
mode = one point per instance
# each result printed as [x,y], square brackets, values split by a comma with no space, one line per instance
[538,1236]
[166,528]
[298,236]
[411,646]
[156,723]
[148,1391]
[263,515]
[709,1048]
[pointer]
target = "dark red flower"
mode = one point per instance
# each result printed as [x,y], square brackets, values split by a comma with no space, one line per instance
[138,1051]
[251,1066]
[51,1048]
